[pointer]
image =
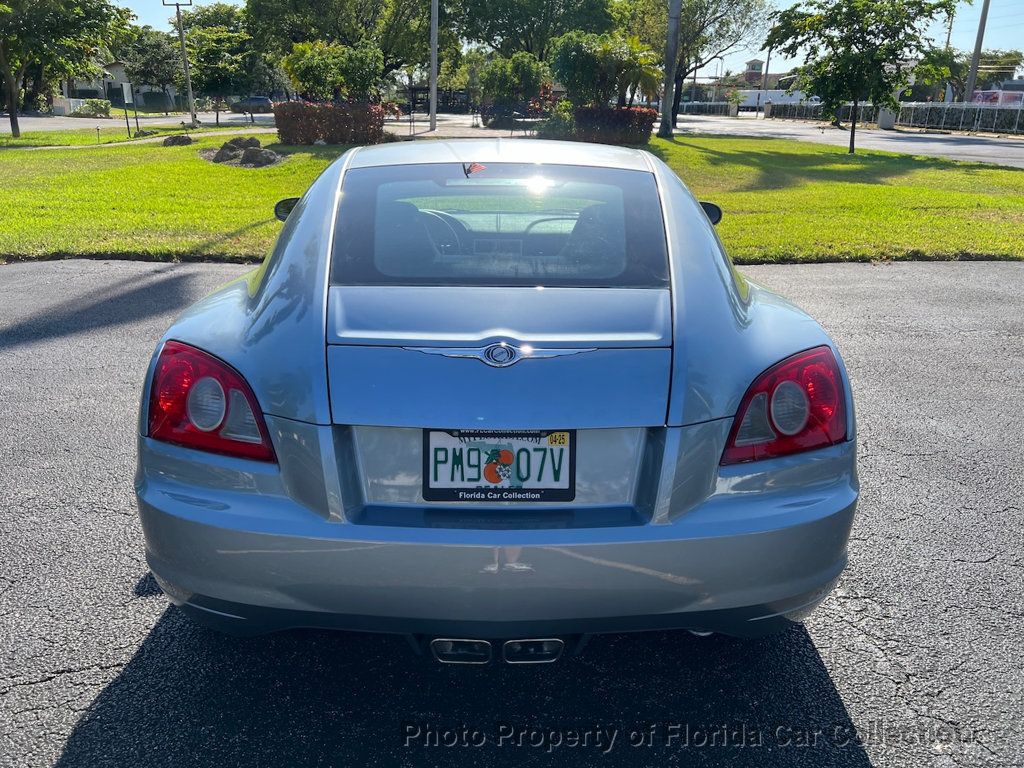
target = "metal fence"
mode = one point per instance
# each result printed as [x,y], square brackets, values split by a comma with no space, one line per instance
[959,116]
[704,108]
[865,112]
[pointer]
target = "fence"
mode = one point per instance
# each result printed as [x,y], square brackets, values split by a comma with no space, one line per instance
[704,108]
[959,116]
[865,112]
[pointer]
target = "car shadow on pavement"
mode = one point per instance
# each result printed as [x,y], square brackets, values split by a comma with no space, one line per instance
[126,300]
[190,696]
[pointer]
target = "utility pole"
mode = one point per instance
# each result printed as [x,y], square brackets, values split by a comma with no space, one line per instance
[671,51]
[184,55]
[947,94]
[433,65]
[972,76]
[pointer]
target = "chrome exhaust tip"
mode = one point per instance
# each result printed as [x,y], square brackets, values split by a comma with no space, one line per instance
[532,651]
[450,650]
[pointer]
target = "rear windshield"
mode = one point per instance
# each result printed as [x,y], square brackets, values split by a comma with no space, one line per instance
[502,224]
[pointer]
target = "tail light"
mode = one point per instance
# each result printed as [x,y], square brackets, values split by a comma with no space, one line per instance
[797,405]
[200,402]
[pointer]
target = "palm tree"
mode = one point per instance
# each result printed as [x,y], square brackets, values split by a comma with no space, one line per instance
[640,72]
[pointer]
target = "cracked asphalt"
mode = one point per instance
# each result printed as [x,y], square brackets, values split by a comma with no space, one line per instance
[913,661]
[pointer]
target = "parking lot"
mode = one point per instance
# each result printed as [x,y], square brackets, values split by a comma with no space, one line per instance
[914,660]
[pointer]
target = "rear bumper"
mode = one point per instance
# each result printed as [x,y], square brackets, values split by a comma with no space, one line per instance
[499,584]
[749,621]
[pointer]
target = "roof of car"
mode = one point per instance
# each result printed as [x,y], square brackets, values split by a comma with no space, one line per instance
[500,150]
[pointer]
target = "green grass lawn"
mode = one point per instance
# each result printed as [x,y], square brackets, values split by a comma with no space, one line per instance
[798,201]
[783,201]
[111,132]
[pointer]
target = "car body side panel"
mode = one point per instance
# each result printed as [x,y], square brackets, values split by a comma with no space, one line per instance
[269,324]
[727,333]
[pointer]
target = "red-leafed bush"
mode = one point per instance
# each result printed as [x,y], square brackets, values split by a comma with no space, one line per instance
[622,125]
[299,122]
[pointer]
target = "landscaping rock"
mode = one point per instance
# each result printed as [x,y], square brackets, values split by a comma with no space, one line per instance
[257,158]
[227,154]
[243,142]
[178,140]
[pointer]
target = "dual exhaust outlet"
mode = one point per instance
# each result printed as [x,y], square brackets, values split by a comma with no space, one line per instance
[449,650]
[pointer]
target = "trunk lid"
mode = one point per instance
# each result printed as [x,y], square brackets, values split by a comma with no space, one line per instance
[412,357]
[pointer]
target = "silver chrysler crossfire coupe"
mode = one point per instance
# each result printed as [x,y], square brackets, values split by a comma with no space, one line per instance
[496,396]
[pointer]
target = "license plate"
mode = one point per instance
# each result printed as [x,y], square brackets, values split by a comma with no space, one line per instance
[487,466]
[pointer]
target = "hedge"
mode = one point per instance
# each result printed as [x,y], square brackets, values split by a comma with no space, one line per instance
[623,125]
[353,123]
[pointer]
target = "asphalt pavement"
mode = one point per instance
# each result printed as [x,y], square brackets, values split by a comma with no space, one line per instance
[914,661]
[977,148]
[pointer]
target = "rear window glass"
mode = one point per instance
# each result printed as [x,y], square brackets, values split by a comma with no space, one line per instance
[503,224]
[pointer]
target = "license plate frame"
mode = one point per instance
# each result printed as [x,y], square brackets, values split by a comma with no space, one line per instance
[485,492]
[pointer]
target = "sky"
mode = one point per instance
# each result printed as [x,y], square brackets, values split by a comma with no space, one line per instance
[1005,29]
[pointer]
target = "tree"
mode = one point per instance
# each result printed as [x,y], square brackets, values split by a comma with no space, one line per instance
[361,67]
[595,69]
[461,72]
[528,25]
[217,58]
[639,72]
[399,28]
[152,58]
[62,36]
[856,50]
[330,70]
[512,81]
[223,15]
[708,29]
[671,55]
[996,66]
[315,69]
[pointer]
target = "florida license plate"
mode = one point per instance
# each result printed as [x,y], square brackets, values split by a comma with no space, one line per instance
[483,466]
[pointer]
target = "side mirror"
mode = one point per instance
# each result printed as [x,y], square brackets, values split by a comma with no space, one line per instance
[284,207]
[712,211]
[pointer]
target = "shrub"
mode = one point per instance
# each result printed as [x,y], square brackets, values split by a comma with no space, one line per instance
[352,123]
[93,108]
[625,125]
[560,125]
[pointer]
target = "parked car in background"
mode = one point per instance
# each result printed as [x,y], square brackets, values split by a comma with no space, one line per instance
[492,391]
[253,104]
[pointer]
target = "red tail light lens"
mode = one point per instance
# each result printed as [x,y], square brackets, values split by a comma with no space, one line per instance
[797,405]
[200,402]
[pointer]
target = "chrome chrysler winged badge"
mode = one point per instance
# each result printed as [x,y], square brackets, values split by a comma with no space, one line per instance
[501,354]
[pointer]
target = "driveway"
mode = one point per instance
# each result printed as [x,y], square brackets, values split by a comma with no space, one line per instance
[917,653]
[976,148]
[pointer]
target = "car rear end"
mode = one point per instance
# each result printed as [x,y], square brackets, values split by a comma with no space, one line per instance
[518,441]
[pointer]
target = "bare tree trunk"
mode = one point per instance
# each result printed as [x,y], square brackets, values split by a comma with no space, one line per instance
[678,98]
[853,126]
[11,81]
[671,52]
